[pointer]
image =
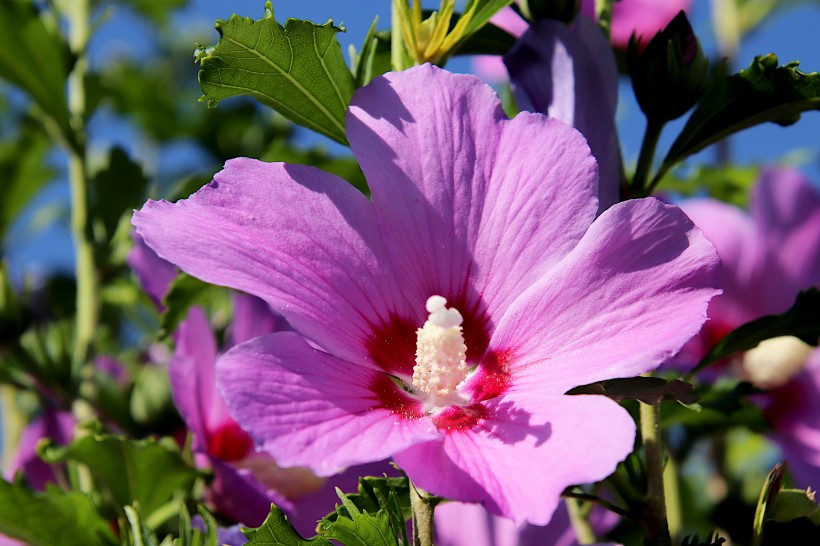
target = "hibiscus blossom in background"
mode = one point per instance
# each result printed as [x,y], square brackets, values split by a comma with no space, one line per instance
[443,322]
[459,524]
[643,17]
[55,425]
[245,482]
[769,255]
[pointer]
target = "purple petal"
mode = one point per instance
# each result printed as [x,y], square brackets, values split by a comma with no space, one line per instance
[520,458]
[303,240]
[472,205]
[643,17]
[55,425]
[193,379]
[459,524]
[786,210]
[252,317]
[569,73]
[742,256]
[626,299]
[308,408]
[792,410]
[153,273]
[236,494]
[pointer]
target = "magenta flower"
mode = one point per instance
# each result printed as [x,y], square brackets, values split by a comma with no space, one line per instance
[53,424]
[643,17]
[442,322]
[459,524]
[769,255]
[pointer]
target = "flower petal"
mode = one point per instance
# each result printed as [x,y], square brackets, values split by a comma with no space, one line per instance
[742,256]
[627,298]
[786,209]
[153,273]
[308,408]
[52,424]
[531,447]
[472,205]
[252,317]
[303,240]
[193,378]
[569,73]
[239,496]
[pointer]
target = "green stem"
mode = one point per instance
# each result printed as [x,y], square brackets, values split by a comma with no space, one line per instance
[655,522]
[78,13]
[648,147]
[423,506]
[674,511]
[580,522]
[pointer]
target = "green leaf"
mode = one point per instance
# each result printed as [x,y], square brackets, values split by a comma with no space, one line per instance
[727,183]
[802,320]
[297,70]
[156,10]
[276,530]
[355,527]
[649,390]
[148,472]
[140,533]
[488,40]
[185,291]
[485,10]
[52,517]
[115,190]
[374,495]
[24,171]
[758,94]
[34,58]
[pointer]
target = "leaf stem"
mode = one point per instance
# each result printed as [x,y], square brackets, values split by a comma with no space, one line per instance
[423,506]
[655,522]
[78,13]
[645,159]
[580,522]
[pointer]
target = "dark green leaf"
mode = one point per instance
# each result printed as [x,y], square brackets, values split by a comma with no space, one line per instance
[185,291]
[34,58]
[758,94]
[53,517]
[297,70]
[355,527]
[389,494]
[116,190]
[278,531]
[488,40]
[802,320]
[649,390]
[148,472]
[24,171]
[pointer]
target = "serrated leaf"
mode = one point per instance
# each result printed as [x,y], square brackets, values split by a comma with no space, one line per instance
[185,291]
[649,390]
[148,472]
[363,530]
[276,530]
[374,495]
[34,58]
[802,320]
[763,92]
[298,70]
[52,517]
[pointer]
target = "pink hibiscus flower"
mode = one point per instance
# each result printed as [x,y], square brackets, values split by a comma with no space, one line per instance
[769,255]
[442,322]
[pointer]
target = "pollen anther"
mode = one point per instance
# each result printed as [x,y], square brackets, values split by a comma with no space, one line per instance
[441,354]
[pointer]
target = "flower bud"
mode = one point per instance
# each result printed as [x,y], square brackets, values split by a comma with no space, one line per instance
[669,74]
[559,10]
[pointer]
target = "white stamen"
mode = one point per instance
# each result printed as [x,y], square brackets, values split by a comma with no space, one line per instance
[441,354]
[775,361]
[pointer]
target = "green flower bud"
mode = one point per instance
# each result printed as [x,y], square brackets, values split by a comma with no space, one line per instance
[669,74]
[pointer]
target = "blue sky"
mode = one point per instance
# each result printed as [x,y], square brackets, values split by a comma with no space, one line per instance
[791,34]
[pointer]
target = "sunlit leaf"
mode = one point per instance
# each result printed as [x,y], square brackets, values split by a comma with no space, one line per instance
[278,531]
[298,70]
